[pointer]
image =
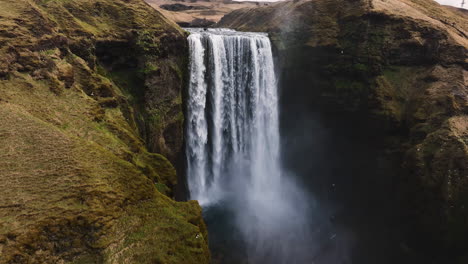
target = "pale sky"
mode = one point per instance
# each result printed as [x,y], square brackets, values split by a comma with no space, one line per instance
[456,3]
[453,3]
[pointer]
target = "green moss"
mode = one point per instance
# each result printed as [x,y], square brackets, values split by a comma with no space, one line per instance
[180,117]
[128,80]
[401,77]
[176,68]
[157,167]
[352,86]
[48,52]
[149,68]
[163,232]
[73,164]
[147,43]
[162,188]
[361,68]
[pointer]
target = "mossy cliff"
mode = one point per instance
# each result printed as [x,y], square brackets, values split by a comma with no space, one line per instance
[90,91]
[395,72]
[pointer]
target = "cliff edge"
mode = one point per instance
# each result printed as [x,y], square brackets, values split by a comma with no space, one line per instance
[396,72]
[90,91]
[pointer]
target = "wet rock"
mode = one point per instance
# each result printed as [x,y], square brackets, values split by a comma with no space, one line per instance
[399,67]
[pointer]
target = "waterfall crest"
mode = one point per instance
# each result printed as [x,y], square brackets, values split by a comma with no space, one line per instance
[233,143]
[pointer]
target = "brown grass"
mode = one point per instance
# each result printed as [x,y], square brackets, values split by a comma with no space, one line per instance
[78,183]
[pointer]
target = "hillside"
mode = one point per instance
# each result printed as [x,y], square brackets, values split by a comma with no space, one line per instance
[198,13]
[90,91]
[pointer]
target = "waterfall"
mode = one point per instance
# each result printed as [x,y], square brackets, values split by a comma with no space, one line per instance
[232,112]
[233,142]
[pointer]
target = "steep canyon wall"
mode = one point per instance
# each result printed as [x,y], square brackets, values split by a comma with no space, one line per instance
[376,92]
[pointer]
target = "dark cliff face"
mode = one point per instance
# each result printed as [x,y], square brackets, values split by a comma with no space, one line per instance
[374,94]
[90,92]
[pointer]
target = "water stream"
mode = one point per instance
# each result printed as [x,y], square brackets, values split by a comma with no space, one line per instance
[233,145]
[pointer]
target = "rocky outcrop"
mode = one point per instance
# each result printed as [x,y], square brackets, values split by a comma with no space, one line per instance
[181,7]
[396,70]
[90,91]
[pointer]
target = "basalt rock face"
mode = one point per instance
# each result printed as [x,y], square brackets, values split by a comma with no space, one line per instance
[90,91]
[393,73]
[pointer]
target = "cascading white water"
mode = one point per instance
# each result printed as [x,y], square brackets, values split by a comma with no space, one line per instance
[233,143]
[232,112]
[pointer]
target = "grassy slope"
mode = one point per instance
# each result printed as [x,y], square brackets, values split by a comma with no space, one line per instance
[78,184]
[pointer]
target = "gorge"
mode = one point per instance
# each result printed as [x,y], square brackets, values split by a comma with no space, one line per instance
[365,96]
[233,145]
[336,134]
